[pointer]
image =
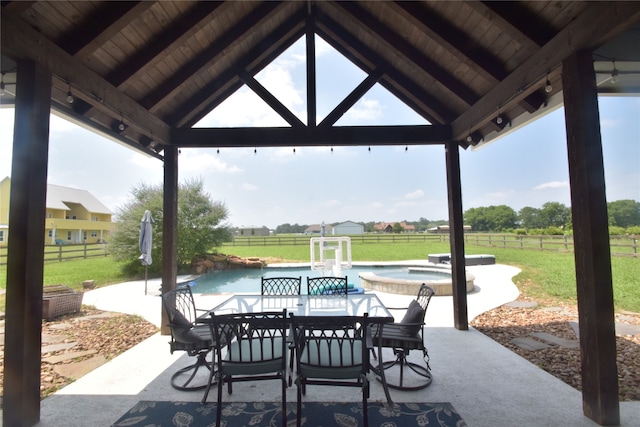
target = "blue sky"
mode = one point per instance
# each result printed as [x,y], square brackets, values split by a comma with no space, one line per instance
[528,167]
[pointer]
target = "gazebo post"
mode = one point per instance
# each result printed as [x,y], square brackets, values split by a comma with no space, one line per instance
[169,227]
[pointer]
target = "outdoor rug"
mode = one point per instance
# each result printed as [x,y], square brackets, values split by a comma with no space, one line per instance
[315,414]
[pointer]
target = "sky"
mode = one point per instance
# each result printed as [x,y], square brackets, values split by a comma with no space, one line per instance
[274,186]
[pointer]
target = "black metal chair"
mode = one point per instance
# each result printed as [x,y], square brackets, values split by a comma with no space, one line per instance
[256,350]
[327,285]
[186,335]
[281,285]
[331,350]
[403,337]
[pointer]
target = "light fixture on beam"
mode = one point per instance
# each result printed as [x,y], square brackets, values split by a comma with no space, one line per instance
[121,125]
[614,73]
[547,86]
[70,98]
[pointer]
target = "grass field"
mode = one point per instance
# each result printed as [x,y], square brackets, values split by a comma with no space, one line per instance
[545,274]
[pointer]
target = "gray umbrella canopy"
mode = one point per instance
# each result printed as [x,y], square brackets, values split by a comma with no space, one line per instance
[146,238]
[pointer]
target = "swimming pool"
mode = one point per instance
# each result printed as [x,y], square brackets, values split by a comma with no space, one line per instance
[368,277]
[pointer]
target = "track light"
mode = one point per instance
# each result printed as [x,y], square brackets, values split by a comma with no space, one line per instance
[614,73]
[547,86]
[69,95]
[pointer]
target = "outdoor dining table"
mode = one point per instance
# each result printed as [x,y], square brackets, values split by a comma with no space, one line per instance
[314,305]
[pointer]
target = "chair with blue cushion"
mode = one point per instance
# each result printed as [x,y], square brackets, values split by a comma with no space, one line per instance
[403,337]
[256,350]
[187,335]
[327,285]
[331,351]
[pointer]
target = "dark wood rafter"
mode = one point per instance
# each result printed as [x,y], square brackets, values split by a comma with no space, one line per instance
[97,29]
[22,41]
[305,136]
[155,100]
[274,43]
[311,68]
[453,40]
[600,22]
[432,109]
[351,99]
[271,100]
[398,44]
[170,39]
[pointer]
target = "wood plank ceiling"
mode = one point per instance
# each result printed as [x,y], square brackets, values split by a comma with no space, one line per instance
[158,67]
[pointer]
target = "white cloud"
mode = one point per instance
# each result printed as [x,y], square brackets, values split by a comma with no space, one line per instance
[364,111]
[250,187]
[198,161]
[418,194]
[552,185]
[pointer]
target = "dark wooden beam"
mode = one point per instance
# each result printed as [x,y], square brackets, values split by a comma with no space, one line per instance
[311,71]
[25,258]
[432,109]
[214,93]
[456,236]
[454,41]
[169,228]
[178,33]
[166,90]
[591,238]
[106,21]
[20,41]
[270,99]
[305,136]
[515,19]
[598,23]
[351,99]
[385,35]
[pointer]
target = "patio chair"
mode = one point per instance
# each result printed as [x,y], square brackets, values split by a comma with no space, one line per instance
[281,285]
[186,335]
[402,338]
[332,351]
[256,350]
[328,285]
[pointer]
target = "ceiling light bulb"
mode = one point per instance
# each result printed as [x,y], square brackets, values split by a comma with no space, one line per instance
[614,76]
[499,120]
[121,126]
[547,87]
[469,139]
[70,98]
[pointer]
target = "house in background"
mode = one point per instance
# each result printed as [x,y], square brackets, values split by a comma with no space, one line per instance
[317,229]
[72,216]
[253,231]
[387,227]
[348,227]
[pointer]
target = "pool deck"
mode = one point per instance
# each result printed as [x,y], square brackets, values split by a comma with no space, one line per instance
[488,384]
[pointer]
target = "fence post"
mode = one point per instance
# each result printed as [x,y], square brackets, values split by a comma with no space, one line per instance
[521,243]
[504,241]
[59,252]
[566,247]
[635,245]
[541,247]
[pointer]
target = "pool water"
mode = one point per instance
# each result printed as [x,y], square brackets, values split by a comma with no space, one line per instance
[248,280]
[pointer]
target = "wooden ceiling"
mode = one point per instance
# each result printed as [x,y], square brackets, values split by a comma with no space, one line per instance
[160,66]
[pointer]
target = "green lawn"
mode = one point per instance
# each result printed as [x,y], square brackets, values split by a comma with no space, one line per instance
[545,275]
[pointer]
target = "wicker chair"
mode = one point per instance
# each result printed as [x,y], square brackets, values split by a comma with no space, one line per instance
[257,350]
[186,335]
[402,338]
[331,351]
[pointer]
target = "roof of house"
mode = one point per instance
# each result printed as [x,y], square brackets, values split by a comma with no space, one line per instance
[58,197]
[317,228]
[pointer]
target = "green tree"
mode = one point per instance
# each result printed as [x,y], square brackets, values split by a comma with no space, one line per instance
[397,228]
[201,226]
[624,213]
[529,218]
[554,214]
[491,218]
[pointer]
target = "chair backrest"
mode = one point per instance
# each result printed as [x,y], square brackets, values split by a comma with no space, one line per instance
[424,296]
[281,285]
[256,342]
[332,347]
[180,306]
[327,285]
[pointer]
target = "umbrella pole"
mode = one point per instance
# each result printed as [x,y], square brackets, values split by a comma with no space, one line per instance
[145,279]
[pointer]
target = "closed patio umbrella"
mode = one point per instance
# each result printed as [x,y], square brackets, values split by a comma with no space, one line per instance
[145,244]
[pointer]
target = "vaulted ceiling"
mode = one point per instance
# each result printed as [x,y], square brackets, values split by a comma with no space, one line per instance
[158,67]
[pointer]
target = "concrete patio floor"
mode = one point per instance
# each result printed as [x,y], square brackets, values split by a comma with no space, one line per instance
[486,383]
